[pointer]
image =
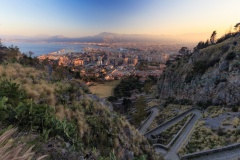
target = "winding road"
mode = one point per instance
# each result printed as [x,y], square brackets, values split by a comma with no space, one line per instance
[169,123]
[171,152]
[154,112]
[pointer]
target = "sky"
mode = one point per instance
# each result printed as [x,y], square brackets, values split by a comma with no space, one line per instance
[77,18]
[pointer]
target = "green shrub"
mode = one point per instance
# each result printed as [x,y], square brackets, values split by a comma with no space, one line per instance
[213,62]
[230,56]
[28,115]
[204,104]
[200,67]
[183,102]
[11,90]
[236,64]
[189,77]
[111,98]
[126,85]
[219,81]
[234,109]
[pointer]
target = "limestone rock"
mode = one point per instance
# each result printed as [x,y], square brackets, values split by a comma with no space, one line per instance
[224,66]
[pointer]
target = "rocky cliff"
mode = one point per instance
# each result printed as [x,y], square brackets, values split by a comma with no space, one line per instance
[206,76]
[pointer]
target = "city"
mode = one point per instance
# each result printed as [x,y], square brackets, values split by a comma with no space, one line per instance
[119,61]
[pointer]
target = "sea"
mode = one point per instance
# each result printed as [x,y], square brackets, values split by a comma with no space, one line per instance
[45,48]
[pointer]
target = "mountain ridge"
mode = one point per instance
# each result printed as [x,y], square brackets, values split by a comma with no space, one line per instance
[103,37]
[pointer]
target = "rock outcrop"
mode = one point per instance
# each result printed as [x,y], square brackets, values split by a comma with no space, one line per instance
[210,75]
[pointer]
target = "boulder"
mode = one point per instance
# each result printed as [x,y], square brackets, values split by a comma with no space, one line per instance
[224,66]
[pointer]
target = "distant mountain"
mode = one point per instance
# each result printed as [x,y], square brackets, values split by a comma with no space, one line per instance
[104,37]
[44,36]
[108,37]
[114,37]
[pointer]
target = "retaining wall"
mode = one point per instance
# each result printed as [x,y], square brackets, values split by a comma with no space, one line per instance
[211,151]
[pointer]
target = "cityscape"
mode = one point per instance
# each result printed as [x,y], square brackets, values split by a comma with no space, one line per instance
[119,80]
[142,60]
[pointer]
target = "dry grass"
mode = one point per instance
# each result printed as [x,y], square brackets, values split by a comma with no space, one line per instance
[214,111]
[35,84]
[8,149]
[204,137]
[32,80]
[167,113]
[104,90]
[154,102]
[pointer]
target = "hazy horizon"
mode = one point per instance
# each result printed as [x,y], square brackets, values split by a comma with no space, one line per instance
[185,19]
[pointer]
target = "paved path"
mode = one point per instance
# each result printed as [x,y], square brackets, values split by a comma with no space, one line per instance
[169,123]
[232,154]
[143,128]
[172,152]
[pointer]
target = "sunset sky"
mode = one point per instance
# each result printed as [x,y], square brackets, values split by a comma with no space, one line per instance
[76,18]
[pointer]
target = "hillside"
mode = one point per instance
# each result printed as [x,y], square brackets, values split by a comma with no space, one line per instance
[59,116]
[208,76]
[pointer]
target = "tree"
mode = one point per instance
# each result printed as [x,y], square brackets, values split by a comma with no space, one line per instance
[206,43]
[237,27]
[213,37]
[147,88]
[200,45]
[183,50]
[127,104]
[140,113]
[30,53]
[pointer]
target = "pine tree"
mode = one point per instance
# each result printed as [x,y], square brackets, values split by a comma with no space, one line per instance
[237,27]
[140,113]
[206,43]
[213,37]
[0,43]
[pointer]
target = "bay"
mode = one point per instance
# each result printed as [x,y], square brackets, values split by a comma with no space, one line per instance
[46,48]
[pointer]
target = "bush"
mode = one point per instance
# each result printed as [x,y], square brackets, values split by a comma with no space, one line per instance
[28,115]
[199,67]
[213,62]
[126,85]
[170,100]
[226,36]
[183,102]
[230,56]
[204,104]
[219,81]
[189,77]
[112,99]
[236,64]
[220,131]
[12,90]
[225,48]
[234,109]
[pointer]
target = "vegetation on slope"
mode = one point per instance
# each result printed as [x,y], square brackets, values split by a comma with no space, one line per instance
[62,119]
[207,76]
[9,151]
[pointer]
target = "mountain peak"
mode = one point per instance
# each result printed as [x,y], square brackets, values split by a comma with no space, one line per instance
[57,37]
[107,34]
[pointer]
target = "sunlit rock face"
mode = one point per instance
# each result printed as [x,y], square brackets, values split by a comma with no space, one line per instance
[209,75]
